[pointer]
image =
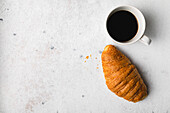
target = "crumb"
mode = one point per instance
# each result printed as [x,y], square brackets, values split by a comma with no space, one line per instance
[100,51]
[82,95]
[90,55]
[97,64]
[43,103]
[85,61]
[96,58]
[52,47]
[1,19]
[81,56]
[87,57]
[7,9]
[97,67]
[44,31]
[74,49]
[14,34]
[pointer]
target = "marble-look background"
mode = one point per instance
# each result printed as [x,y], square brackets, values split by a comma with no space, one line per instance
[43,45]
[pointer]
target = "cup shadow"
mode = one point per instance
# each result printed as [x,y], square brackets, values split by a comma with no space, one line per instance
[151,24]
[143,74]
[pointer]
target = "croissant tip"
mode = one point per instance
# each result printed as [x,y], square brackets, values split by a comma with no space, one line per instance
[108,47]
[141,99]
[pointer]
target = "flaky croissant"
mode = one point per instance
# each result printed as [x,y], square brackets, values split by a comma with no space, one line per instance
[121,76]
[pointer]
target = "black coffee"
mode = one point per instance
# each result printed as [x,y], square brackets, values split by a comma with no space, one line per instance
[122,26]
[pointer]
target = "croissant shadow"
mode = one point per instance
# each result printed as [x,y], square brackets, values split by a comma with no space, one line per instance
[143,74]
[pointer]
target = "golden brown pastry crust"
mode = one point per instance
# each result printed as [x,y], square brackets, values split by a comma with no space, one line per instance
[121,76]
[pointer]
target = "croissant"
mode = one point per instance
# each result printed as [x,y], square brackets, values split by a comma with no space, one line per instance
[121,76]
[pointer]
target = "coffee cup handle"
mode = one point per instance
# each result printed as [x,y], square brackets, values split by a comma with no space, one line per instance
[145,40]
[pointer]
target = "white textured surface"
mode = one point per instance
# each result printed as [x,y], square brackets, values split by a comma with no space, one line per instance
[37,78]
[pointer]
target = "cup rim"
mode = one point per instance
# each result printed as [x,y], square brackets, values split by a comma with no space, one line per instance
[139,17]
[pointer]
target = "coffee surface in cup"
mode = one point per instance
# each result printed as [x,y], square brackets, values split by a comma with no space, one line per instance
[122,26]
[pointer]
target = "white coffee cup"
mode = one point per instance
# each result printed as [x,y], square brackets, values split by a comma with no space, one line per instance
[141,25]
